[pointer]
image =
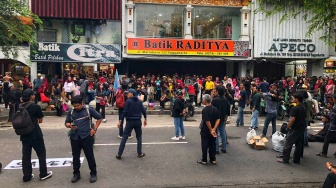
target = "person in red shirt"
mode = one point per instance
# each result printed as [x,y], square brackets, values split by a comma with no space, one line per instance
[26,82]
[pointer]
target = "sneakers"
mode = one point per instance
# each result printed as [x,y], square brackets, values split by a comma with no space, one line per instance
[175,138]
[182,137]
[308,127]
[93,178]
[128,137]
[75,178]
[26,180]
[104,120]
[118,157]
[47,176]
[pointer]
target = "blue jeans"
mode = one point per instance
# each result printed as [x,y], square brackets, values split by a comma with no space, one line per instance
[270,117]
[254,119]
[130,125]
[178,122]
[240,118]
[221,129]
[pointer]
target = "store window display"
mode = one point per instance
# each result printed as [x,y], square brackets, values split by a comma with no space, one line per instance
[159,21]
[216,23]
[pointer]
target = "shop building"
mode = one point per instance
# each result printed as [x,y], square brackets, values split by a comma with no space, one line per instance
[330,63]
[196,37]
[77,35]
[284,49]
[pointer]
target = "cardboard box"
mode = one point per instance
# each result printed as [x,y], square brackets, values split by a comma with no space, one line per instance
[258,143]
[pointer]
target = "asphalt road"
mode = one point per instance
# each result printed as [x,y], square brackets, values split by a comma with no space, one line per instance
[167,163]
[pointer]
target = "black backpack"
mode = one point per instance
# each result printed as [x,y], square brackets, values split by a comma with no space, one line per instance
[22,122]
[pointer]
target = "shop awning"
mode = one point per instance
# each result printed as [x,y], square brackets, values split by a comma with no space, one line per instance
[23,55]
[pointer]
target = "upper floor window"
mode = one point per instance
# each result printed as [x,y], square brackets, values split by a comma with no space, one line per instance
[161,21]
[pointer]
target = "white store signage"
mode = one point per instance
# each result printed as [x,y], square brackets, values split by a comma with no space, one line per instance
[52,162]
[288,39]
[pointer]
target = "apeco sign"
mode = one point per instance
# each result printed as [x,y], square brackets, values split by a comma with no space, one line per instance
[63,52]
[292,48]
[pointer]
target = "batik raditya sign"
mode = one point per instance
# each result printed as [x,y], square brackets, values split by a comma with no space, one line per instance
[63,52]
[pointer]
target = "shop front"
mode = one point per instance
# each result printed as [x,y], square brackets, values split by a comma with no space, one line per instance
[191,37]
[18,66]
[329,68]
[284,49]
[76,59]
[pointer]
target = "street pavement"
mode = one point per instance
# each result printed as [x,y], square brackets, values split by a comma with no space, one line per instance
[167,163]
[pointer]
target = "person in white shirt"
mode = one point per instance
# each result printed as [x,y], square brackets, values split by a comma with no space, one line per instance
[69,87]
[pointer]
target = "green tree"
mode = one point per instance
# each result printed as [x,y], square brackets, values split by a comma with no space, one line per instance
[17,26]
[322,18]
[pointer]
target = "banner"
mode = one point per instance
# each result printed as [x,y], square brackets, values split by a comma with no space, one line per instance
[63,52]
[166,46]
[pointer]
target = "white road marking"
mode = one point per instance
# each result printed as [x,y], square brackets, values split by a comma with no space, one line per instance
[148,143]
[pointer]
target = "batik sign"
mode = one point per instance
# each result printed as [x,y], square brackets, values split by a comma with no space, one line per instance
[63,52]
[165,46]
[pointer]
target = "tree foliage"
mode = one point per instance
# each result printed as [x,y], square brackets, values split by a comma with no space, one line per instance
[17,26]
[323,13]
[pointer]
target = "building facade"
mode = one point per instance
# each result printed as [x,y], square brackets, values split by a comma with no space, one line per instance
[77,35]
[195,37]
[284,49]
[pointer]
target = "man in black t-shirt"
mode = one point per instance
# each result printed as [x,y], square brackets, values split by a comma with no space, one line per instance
[296,125]
[33,140]
[242,98]
[210,122]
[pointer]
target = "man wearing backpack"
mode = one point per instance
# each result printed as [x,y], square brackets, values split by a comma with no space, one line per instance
[34,139]
[121,98]
[81,136]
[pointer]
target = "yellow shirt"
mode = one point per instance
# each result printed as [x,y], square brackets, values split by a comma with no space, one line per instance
[209,85]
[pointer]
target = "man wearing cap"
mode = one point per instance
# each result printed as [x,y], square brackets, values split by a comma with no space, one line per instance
[33,140]
[36,85]
[81,136]
[132,112]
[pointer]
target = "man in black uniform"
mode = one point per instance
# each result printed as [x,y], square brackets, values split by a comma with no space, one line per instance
[81,136]
[132,112]
[296,125]
[33,140]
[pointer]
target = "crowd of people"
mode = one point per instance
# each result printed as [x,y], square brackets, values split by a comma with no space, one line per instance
[218,97]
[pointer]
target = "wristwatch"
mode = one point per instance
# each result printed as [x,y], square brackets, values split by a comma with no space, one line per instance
[95,129]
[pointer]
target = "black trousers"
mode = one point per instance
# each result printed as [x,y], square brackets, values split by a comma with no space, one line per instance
[121,129]
[329,137]
[40,150]
[5,98]
[12,110]
[293,137]
[158,95]
[208,144]
[163,102]
[316,138]
[330,180]
[87,145]
[130,125]
[102,107]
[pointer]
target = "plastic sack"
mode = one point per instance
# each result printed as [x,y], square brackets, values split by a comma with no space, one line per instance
[278,141]
[250,135]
